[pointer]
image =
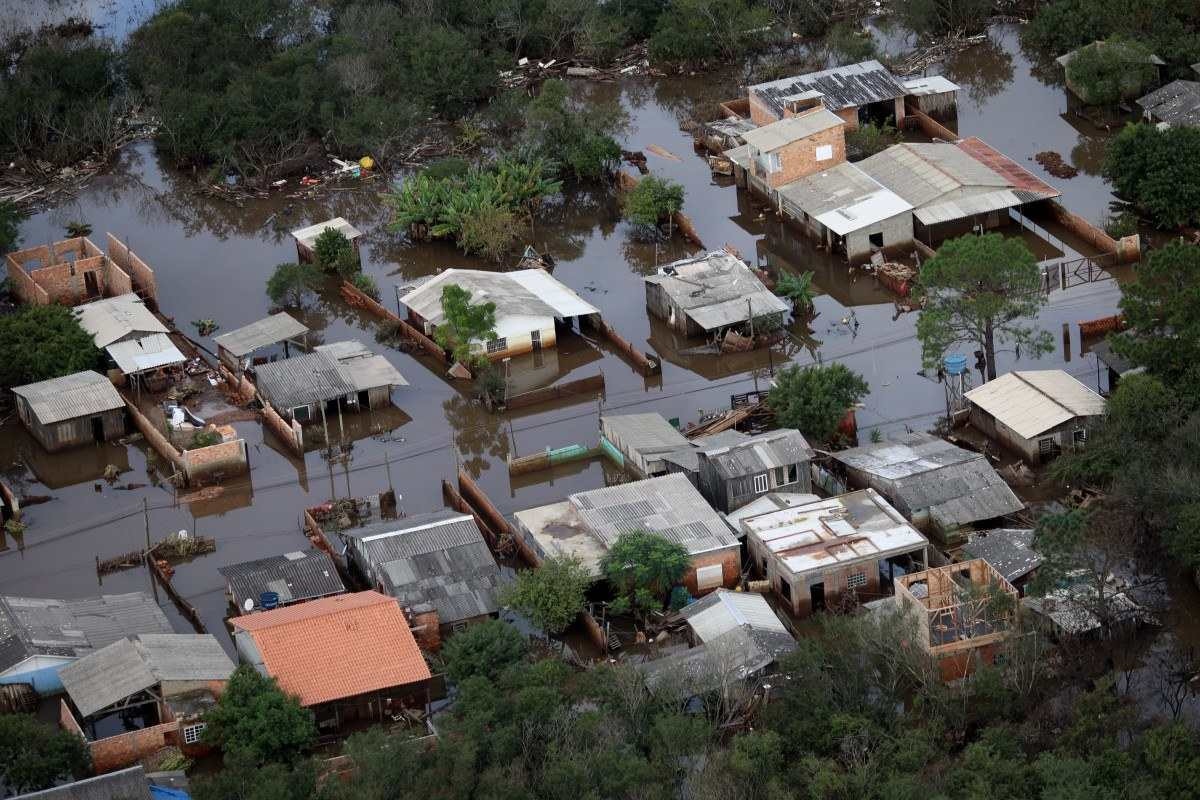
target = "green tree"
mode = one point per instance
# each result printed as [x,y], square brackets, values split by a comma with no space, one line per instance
[42,342]
[1158,171]
[448,68]
[869,139]
[938,17]
[291,284]
[815,399]
[255,721]
[551,595]
[576,134]
[698,30]
[243,778]
[642,568]
[366,284]
[333,251]
[979,290]
[465,323]
[652,201]
[1106,73]
[797,290]
[484,650]
[36,756]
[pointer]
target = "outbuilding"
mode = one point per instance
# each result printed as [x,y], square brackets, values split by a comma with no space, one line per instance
[278,581]
[643,440]
[708,294]
[306,238]
[731,474]
[332,377]
[73,410]
[234,347]
[1038,414]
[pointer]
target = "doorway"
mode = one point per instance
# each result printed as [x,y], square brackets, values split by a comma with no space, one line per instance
[816,594]
[98,428]
[364,399]
[90,285]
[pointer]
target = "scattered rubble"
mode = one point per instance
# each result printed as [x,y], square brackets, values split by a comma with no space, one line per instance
[1053,163]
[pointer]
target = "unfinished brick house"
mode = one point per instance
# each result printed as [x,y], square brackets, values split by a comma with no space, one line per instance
[76,271]
[963,613]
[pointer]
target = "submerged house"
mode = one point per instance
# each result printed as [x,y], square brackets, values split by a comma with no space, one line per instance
[531,306]
[1133,80]
[1177,104]
[828,552]
[643,440]
[38,637]
[138,695]
[735,470]
[234,347]
[306,238]
[963,613]
[348,658]
[795,146]
[856,93]
[330,378]
[586,524]
[942,489]
[437,565]
[1036,413]
[126,329]
[708,294]
[73,410]
[278,581]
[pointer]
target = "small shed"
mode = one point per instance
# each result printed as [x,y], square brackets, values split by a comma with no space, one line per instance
[73,410]
[1113,365]
[279,581]
[933,94]
[306,238]
[1038,414]
[643,439]
[235,346]
[1132,83]
[337,375]
[709,294]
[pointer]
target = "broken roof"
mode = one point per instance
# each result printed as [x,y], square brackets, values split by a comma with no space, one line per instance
[128,666]
[113,318]
[294,577]
[1177,103]
[70,397]
[330,371]
[261,333]
[520,293]
[836,531]
[840,87]
[1034,401]
[843,198]
[146,352]
[73,628]
[437,561]
[716,290]
[308,236]
[757,454]
[791,129]
[336,647]
[1009,551]
[923,471]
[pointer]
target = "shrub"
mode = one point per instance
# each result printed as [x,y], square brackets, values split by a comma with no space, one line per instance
[366,284]
[642,568]
[204,438]
[489,232]
[331,248]
[1122,224]
[483,650]
[652,201]
[869,139]
[814,399]
[291,284]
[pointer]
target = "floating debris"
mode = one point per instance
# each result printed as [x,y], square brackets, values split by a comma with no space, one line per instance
[1053,163]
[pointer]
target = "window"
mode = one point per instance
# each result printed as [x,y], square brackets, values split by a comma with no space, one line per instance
[876,239]
[824,152]
[760,483]
[496,345]
[785,589]
[191,734]
[1079,437]
[856,580]
[1048,447]
[535,337]
[768,163]
[780,474]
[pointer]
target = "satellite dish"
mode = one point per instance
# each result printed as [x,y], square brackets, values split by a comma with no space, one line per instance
[248,604]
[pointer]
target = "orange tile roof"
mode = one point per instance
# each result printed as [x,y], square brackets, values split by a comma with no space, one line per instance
[337,647]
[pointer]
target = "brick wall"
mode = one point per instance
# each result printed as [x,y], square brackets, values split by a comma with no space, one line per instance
[426,630]
[849,116]
[226,458]
[799,159]
[730,560]
[24,287]
[140,274]
[760,112]
[290,433]
[117,752]
[155,437]
[835,582]
[116,280]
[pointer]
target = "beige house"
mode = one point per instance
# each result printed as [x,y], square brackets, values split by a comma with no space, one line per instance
[1038,414]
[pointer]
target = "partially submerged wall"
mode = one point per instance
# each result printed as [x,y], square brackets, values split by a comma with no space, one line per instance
[155,437]
[142,277]
[216,461]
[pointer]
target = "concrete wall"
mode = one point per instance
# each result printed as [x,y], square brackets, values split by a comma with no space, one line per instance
[730,560]
[796,590]
[896,231]
[518,344]
[1029,449]
[215,461]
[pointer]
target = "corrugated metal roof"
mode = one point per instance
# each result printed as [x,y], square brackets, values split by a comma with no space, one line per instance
[330,371]
[844,199]
[1177,103]
[261,333]
[716,290]
[929,84]
[851,528]
[839,87]
[757,454]
[1033,402]
[125,784]
[115,318]
[515,294]
[71,396]
[73,628]
[668,506]
[643,434]
[1009,551]
[791,129]
[294,577]
[722,611]
[308,236]
[147,352]
[184,656]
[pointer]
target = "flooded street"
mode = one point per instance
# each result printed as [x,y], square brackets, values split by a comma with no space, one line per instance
[212,260]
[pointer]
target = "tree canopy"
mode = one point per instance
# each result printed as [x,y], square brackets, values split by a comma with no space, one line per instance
[466,322]
[980,290]
[815,399]
[575,134]
[652,201]
[256,721]
[42,342]
[1158,171]
[642,567]
[551,595]
[483,650]
[291,284]
[1105,73]
[36,756]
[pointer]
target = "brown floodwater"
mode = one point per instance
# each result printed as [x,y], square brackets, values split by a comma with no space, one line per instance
[212,260]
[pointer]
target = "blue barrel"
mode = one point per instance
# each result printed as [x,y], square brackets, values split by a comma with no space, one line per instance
[269,600]
[955,364]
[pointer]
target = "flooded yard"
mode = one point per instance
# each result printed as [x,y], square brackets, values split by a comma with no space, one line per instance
[212,260]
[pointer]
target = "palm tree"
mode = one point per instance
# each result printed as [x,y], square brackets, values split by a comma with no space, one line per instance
[797,289]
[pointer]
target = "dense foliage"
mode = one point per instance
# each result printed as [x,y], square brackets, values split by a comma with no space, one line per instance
[292,284]
[652,201]
[256,721]
[869,139]
[697,30]
[465,322]
[42,342]
[1171,30]
[576,135]
[642,568]
[980,290]
[552,595]
[483,651]
[815,399]
[36,756]
[797,290]
[940,17]
[1106,73]
[1158,171]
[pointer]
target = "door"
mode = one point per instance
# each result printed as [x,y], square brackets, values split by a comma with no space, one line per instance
[90,285]
[98,428]
[364,399]
[816,594]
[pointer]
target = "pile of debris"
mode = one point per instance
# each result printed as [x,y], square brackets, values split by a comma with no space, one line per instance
[1053,163]
[526,72]
[900,278]
[916,61]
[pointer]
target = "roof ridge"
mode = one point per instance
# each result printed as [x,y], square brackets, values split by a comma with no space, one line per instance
[1020,375]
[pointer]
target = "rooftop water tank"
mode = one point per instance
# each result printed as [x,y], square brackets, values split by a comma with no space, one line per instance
[269,600]
[955,364]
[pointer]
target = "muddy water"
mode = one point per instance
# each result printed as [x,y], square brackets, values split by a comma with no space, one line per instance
[212,260]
